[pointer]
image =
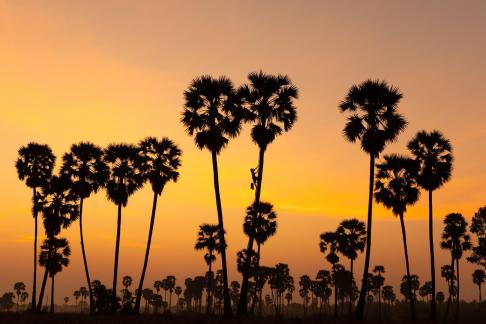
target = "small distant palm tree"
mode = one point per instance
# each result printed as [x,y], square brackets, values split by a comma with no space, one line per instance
[208,239]
[147,294]
[329,244]
[479,276]
[19,288]
[478,228]
[352,239]
[127,281]
[124,179]
[455,239]
[375,122]
[76,295]
[160,163]
[170,284]
[379,281]
[23,297]
[212,115]
[35,165]
[178,292]
[157,286]
[433,152]
[268,101]
[396,188]
[88,172]
[54,256]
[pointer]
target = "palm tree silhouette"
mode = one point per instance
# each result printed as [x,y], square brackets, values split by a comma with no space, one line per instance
[396,188]
[170,282]
[160,161]
[329,243]
[455,239]
[88,172]
[269,107]
[125,177]
[478,279]
[208,238]
[375,122]
[54,256]
[352,239]
[19,288]
[433,153]
[212,115]
[478,228]
[35,165]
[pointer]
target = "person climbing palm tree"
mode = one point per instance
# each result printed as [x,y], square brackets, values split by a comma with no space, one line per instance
[433,153]
[213,115]
[455,238]
[375,122]
[35,165]
[208,239]
[160,162]
[124,178]
[268,102]
[396,188]
[88,173]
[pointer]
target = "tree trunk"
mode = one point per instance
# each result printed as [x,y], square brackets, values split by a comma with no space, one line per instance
[145,261]
[208,306]
[227,300]
[351,288]
[117,251]
[480,297]
[458,289]
[409,281]
[257,275]
[450,287]
[243,301]
[52,295]
[43,287]
[85,262]
[364,282]
[335,291]
[433,303]
[34,284]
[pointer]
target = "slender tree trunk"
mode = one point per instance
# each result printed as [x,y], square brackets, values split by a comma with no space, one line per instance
[117,251]
[458,289]
[409,281]
[433,303]
[450,287]
[335,291]
[364,282]
[351,287]
[85,261]
[257,277]
[480,297]
[227,300]
[208,306]
[52,295]
[34,283]
[243,301]
[145,261]
[43,287]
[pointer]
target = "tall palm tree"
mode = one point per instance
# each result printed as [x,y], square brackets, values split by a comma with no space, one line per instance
[396,188]
[329,244]
[212,115]
[88,172]
[478,279]
[352,239]
[59,206]
[124,179]
[160,161]
[455,238]
[433,152]
[268,101]
[375,122]
[54,256]
[208,238]
[35,165]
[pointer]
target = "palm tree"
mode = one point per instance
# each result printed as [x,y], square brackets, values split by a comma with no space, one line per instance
[88,172]
[478,228]
[352,239]
[170,282]
[208,238]
[375,122]
[478,279]
[160,161]
[212,115]
[125,177]
[329,243]
[54,256]
[261,224]
[76,295]
[268,101]
[456,240]
[35,165]
[19,288]
[433,152]
[378,282]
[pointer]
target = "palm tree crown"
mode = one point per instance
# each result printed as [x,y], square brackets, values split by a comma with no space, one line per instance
[454,235]
[261,222]
[54,255]
[352,238]
[35,164]
[208,238]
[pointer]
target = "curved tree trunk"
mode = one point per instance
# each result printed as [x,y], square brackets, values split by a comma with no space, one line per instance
[227,300]
[85,261]
[145,261]
[433,303]
[409,281]
[243,301]
[52,295]
[34,282]
[43,287]
[117,251]
[364,282]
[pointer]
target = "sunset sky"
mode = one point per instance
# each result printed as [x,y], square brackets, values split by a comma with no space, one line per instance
[115,71]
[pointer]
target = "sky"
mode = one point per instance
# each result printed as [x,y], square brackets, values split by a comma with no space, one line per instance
[115,71]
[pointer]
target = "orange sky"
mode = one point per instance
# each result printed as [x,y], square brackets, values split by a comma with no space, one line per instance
[115,71]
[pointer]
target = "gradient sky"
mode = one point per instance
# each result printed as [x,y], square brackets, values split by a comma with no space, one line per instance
[115,72]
